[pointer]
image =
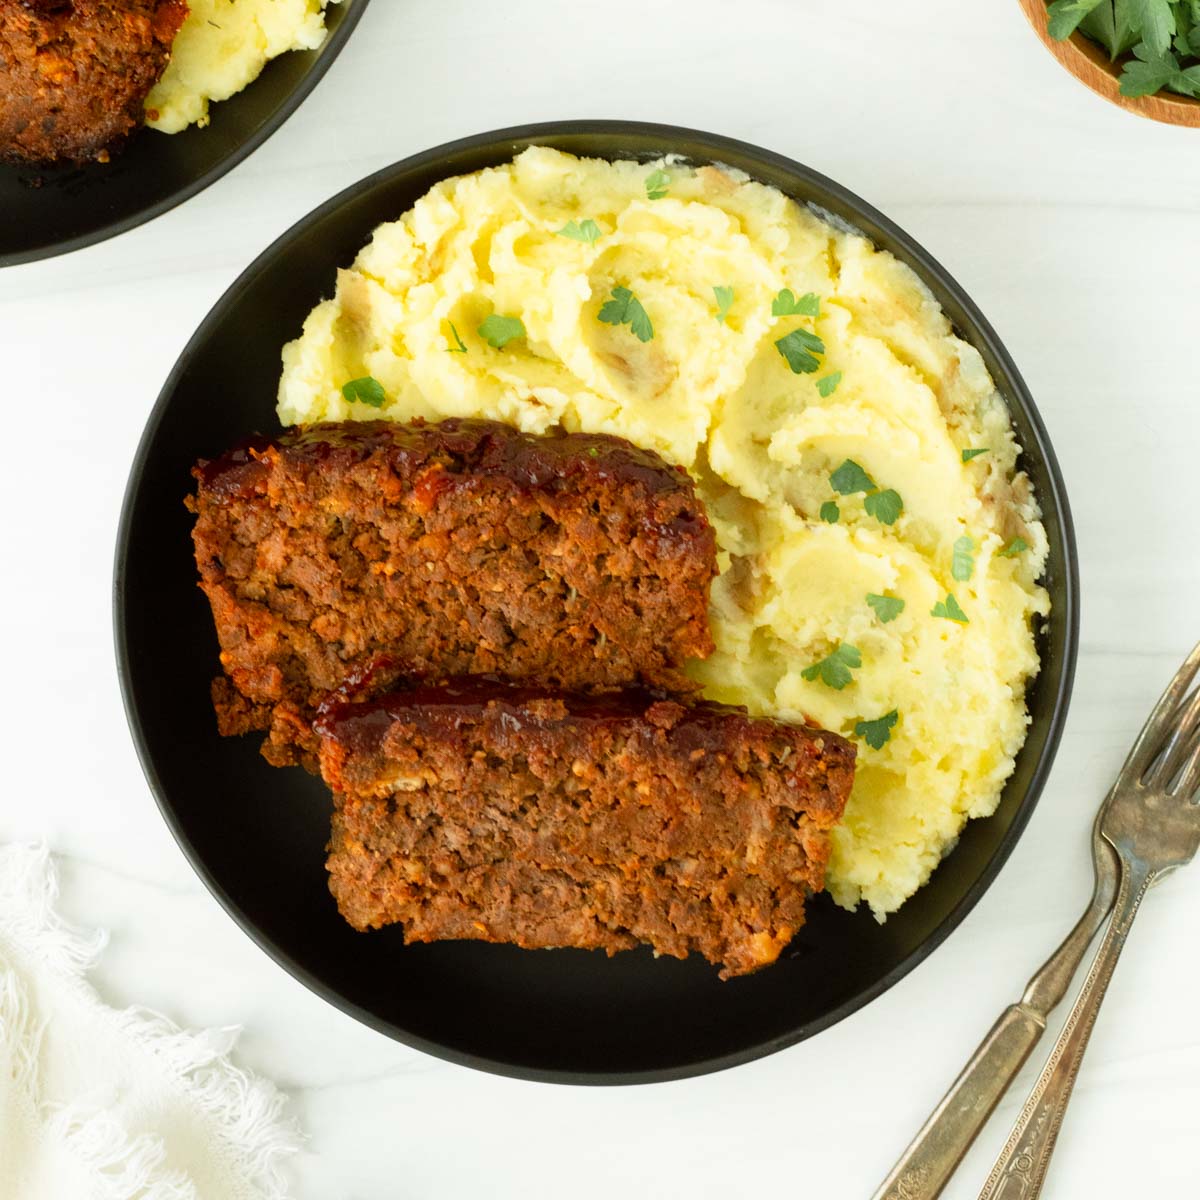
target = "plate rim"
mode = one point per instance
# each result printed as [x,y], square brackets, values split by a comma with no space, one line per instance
[927,267]
[328,52]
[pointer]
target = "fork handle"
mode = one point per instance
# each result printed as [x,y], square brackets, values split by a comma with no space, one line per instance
[942,1141]
[1020,1171]
[931,1158]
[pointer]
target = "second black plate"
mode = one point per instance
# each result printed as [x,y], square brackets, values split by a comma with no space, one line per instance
[52,210]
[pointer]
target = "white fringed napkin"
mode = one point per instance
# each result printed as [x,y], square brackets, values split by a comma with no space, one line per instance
[100,1104]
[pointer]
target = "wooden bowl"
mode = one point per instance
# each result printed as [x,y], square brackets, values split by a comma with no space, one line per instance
[1088,62]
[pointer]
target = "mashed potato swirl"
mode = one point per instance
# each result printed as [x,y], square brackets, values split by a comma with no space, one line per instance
[224,45]
[760,441]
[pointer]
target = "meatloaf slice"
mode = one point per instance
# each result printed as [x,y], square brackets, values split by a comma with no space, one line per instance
[524,815]
[74,74]
[462,548]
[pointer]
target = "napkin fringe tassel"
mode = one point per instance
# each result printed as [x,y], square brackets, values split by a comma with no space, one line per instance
[248,1111]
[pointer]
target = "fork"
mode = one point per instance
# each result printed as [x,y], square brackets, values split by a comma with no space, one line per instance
[926,1166]
[1152,820]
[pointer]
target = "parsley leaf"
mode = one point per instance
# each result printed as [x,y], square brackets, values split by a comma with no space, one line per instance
[876,733]
[1144,76]
[829,384]
[460,346]
[658,183]
[834,670]
[626,309]
[581,231]
[1192,85]
[1015,547]
[830,512]
[1109,25]
[850,478]
[367,390]
[885,506]
[724,297]
[1186,32]
[1155,20]
[498,331]
[887,608]
[1154,66]
[798,349]
[950,610]
[786,305]
[967,455]
[962,564]
[1065,15]
[1150,28]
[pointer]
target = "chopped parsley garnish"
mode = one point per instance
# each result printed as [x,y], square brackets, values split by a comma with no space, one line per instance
[786,304]
[950,610]
[962,564]
[850,478]
[1164,36]
[724,297]
[581,231]
[834,670]
[498,331]
[460,346]
[887,608]
[829,384]
[876,733]
[658,183]
[830,512]
[967,455]
[799,348]
[1015,547]
[626,309]
[367,390]
[884,506]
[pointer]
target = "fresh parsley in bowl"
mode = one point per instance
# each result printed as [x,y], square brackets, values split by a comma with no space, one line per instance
[1156,42]
[1143,55]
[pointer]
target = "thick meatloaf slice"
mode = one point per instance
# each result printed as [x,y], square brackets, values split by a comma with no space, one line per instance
[522,815]
[461,548]
[74,74]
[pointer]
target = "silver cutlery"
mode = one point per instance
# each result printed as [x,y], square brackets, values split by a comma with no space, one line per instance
[1149,824]
[1152,821]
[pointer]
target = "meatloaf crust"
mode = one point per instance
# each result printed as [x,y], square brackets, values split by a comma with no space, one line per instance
[74,74]
[522,815]
[459,548]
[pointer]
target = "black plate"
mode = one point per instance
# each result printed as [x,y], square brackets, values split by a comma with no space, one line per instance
[52,210]
[256,834]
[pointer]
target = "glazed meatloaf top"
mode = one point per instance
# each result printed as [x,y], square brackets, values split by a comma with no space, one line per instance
[456,453]
[359,738]
[74,74]
[459,548]
[522,815]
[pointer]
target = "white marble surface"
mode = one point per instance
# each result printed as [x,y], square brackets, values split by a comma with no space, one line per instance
[1074,226]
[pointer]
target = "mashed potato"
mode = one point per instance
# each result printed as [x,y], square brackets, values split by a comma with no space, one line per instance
[761,442]
[221,47]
